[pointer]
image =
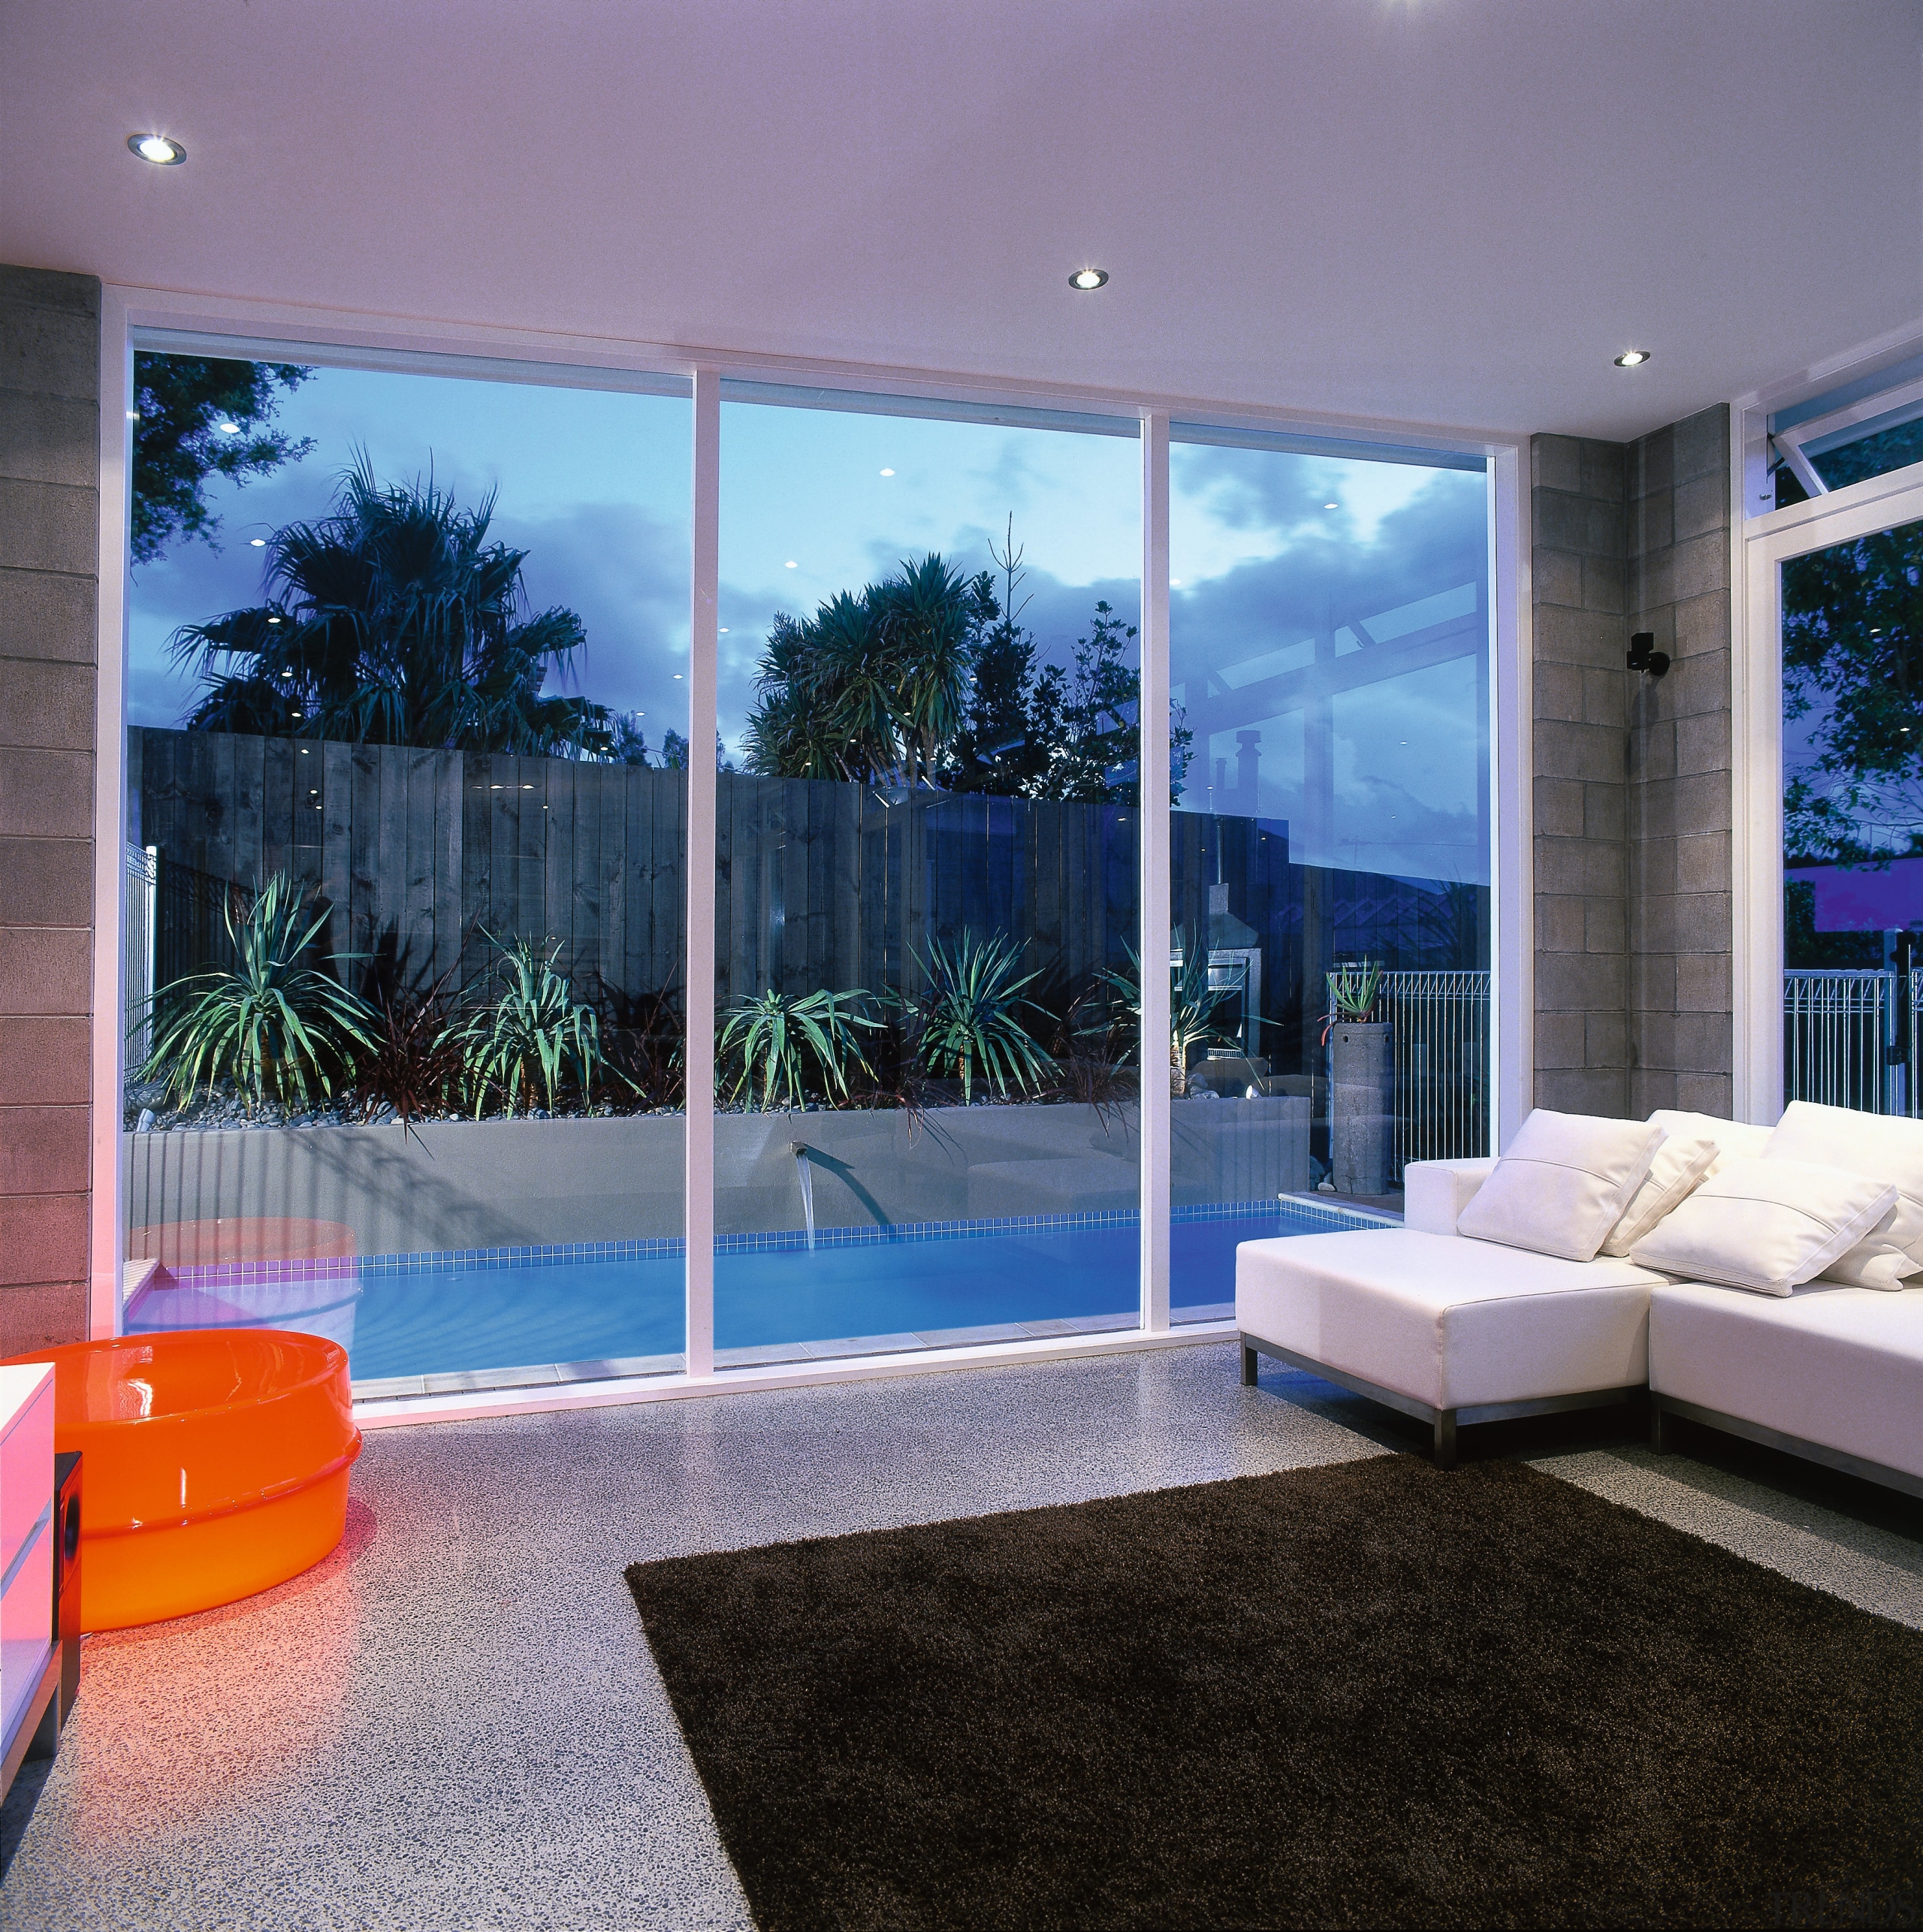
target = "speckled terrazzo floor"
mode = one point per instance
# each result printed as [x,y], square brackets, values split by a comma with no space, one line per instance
[455,1721]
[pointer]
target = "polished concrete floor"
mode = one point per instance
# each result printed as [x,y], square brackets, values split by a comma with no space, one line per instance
[455,1721]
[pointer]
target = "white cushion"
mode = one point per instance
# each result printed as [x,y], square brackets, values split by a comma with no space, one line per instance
[1766,1224]
[1839,1366]
[1434,1192]
[1735,1139]
[1679,1168]
[1881,1147]
[1451,1322]
[1563,1185]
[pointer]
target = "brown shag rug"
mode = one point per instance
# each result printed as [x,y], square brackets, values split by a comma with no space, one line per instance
[1373,1694]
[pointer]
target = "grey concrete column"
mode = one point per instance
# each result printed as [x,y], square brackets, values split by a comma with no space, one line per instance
[1681,1020]
[49,443]
[1582,975]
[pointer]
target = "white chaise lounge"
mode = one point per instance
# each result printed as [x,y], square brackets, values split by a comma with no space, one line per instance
[1447,1329]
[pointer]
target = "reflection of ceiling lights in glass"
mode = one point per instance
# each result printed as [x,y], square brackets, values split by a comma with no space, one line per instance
[1632,358]
[257,542]
[791,565]
[157,149]
[1332,506]
[228,428]
[888,472]
[1088,278]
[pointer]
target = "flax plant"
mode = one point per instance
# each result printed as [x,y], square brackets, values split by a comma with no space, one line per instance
[968,1019]
[534,1035]
[269,1023]
[776,1040]
[1194,1004]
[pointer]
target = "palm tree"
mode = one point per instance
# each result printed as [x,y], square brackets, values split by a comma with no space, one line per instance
[871,687]
[393,621]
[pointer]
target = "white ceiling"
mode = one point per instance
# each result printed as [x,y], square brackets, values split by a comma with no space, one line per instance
[1428,211]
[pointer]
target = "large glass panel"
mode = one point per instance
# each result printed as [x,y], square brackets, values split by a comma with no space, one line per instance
[927,881]
[406,772]
[1328,941]
[1852,774]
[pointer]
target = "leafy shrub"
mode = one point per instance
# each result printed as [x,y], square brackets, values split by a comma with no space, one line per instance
[413,1063]
[776,1040]
[268,1023]
[643,1039]
[532,1036]
[968,1017]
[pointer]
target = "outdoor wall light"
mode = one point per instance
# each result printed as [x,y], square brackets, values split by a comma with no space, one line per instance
[1644,657]
[1632,358]
[157,149]
[1088,278]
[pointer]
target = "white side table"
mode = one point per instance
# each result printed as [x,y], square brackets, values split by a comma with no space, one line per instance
[29,1661]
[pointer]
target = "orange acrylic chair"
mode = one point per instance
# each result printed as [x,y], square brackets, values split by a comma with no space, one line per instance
[216,1463]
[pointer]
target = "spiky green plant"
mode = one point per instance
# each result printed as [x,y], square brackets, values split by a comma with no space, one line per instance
[1193,1004]
[1353,989]
[968,1018]
[777,1041]
[532,1036]
[270,1023]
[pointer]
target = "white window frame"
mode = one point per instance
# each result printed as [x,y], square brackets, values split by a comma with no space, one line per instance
[147,318]
[1768,541]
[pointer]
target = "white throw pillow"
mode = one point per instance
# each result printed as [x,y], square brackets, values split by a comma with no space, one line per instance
[1679,1167]
[1769,1225]
[1881,1147]
[1735,1139]
[1563,1184]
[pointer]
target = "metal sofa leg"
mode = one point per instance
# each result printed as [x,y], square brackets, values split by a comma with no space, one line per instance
[1659,1429]
[1247,1366]
[1445,1438]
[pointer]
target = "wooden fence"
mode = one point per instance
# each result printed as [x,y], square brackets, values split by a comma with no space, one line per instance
[421,854]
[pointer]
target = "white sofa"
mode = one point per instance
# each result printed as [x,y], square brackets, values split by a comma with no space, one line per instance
[1448,1329]
[1832,1373]
[1456,1331]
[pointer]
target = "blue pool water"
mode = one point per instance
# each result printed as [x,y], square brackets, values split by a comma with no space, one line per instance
[417,1315]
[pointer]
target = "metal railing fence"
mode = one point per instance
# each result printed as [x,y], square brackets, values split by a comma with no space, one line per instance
[1850,1039]
[1440,1048]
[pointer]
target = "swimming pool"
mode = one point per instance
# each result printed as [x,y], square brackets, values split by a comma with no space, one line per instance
[424,1322]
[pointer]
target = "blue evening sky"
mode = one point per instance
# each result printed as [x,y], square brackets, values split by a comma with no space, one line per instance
[594,486]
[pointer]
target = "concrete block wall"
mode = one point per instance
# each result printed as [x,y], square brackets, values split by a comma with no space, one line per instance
[1581,864]
[49,444]
[1633,785]
[1681,1023]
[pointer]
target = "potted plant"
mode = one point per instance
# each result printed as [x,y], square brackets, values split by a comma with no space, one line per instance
[1361,1080]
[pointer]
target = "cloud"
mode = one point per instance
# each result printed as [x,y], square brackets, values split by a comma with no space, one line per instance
[625,572]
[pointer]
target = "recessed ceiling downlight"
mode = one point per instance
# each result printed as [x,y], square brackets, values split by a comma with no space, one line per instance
[1632,358]
[157,149]
[1088,278]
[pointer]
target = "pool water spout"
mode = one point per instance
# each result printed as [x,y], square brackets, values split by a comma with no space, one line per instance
[805,1174]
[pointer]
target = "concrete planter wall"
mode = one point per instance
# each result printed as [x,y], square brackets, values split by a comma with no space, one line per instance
[1361,1107]
[494,1184]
